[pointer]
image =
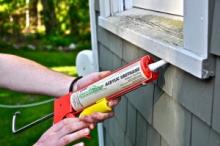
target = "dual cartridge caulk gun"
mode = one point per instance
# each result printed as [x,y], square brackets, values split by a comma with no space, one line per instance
[94,97]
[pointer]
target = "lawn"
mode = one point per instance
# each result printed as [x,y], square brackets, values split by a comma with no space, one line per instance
[56,60]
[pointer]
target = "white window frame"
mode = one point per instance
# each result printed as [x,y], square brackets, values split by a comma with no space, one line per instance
[192,58]
[174,7]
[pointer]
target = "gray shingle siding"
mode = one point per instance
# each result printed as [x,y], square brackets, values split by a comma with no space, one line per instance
[121,113]
[153,137]
[142,132]
[110,41]
[144,102]
[203,135]
[176,110]
[194,94]
[171,101]
[164,143]
[108,139]
[172,121]
[215,29]
[128,142]
[216,100]
[131,122]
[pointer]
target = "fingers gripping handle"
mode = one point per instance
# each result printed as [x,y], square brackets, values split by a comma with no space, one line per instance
[63,108]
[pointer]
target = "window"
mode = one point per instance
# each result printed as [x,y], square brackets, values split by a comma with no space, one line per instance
[167,6]
[174,30]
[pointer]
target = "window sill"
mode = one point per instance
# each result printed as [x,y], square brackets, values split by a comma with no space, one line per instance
[159,35]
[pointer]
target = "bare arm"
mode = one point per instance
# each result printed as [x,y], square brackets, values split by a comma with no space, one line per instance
[24,75]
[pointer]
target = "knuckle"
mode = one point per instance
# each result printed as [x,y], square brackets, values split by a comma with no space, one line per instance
[99,116]
[70,128]
[47,136]
[69,121]
[66,121]
[65,140]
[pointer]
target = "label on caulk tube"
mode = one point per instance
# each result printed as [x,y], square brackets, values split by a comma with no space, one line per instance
[107,86]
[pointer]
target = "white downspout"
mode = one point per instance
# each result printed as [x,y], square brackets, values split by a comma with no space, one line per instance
[95,54]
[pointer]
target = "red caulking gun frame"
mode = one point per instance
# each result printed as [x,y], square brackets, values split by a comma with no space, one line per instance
[94,97]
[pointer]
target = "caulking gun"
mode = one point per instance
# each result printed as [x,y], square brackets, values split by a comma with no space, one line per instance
[94,97]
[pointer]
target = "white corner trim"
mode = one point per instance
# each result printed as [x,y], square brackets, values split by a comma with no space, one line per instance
[93,32]
[95,53]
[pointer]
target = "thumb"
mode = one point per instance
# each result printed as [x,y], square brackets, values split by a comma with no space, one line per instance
[104,74]
[91,78]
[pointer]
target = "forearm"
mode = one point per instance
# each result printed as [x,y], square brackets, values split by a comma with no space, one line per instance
[24,75]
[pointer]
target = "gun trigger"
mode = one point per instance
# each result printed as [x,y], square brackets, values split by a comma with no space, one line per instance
[100,106]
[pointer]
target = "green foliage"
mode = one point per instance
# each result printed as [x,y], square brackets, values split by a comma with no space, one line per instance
[58,19]
[4,44]
[57,40]
[11,10]
[56,25]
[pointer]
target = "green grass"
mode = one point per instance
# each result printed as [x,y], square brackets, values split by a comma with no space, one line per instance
[59,61]
[47,58]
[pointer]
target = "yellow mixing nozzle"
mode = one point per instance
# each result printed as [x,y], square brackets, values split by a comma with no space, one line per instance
[100,106]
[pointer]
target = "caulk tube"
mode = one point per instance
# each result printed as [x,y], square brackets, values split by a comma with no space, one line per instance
[115,82]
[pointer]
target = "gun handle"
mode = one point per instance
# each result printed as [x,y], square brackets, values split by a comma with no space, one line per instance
[100,106]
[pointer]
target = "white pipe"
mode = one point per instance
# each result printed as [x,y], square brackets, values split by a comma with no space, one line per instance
[95,53]
[154,66]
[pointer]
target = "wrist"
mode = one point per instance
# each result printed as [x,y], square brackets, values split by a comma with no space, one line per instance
[36,144]
[74,84]
[40,142]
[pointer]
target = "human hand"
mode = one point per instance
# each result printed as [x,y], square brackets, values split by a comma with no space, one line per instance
[85,81]
[71,129]
[65,132]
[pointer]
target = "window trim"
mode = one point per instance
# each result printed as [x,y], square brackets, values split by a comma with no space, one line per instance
[190,58]
[161,5]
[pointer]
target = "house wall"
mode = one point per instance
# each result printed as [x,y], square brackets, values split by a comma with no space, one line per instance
[176,110]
